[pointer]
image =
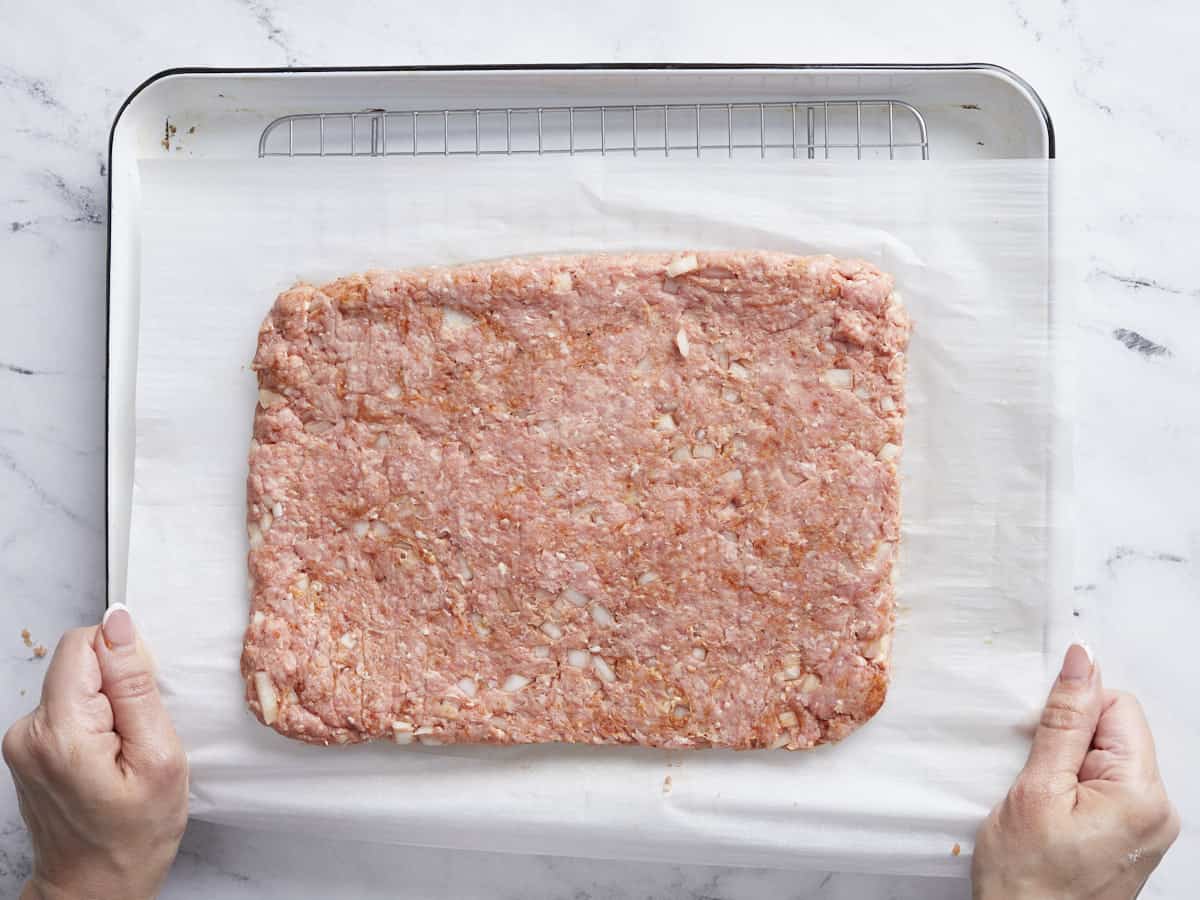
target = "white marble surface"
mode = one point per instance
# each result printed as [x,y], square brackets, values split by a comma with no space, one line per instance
[1116,77]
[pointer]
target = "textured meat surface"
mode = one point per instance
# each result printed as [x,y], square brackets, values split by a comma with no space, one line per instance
[645,498]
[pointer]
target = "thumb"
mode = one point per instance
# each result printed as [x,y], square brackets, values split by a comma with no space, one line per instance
[1123,749]
[127,680]
[1068,724]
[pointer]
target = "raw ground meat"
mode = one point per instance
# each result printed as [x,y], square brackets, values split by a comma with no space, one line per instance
[648,499]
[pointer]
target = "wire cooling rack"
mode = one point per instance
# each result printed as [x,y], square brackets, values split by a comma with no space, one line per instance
[802,129]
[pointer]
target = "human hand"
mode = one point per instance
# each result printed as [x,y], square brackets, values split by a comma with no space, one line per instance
[101,776]
[1088,817]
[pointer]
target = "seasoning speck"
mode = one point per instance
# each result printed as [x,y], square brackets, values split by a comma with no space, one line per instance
[955,850]
[39,651]
[26,638]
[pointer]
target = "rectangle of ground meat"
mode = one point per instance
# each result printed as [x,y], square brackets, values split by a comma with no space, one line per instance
[648,499]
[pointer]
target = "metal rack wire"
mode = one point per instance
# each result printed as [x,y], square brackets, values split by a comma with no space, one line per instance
[803,129]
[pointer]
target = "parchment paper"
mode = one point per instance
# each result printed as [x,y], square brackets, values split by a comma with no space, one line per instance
[981,560]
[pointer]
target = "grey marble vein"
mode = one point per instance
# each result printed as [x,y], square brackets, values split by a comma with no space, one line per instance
[10,464]
[16,859]
[1139,344]
[1122,553]
[81,198]
[1138,283]
[35,89]
[265,15]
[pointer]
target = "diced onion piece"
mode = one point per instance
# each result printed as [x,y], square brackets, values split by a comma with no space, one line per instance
[348,640]
[514,683]
[455,321]
[788,719]
[467,686]
[791,673]
[258,618]
[732,478]
[541,651]
[704,451]
[561,283]
[888,452]
[578,658]
[680,712]
[699,654]
[838,378]
[269,398]
[360,529]
[780,742]
[402,732]
[808,683]
[681,265]
[481,627]
[720,355]
[393,392]
[647,578]
[574,597]
[739,371]
[551,630]
[267,698]
[603,671]
[681,343]
[254,533]
[681,454]
[380,529]
[601,615]
[878,648]
[729,395]
[887,404]
[463,570]
[665,423]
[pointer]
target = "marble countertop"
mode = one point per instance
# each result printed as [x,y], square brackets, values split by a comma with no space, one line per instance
[1115,80]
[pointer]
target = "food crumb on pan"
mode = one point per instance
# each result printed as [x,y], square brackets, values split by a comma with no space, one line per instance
[26,638]
[666,787]
[955,850]
[39,651]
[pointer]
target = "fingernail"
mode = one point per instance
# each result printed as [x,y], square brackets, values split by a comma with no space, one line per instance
[1077,664]
[117,626]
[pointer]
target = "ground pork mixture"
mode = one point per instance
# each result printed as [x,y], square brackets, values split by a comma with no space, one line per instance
[648,498]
